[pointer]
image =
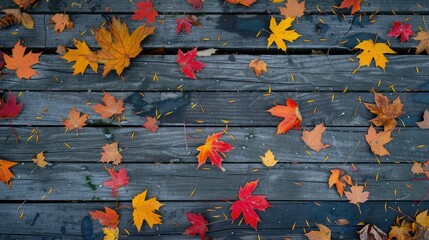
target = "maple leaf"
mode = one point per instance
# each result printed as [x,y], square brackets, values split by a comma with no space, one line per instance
[145,10]
[279,33]
[248,203]
[39,160]
[377,140]
[386,112]
[401,29]
[9,109]
[79,56]
[196,3]
[211,149]
[373,51]
[423,124]
[269,159]
[25,3]
[422,219]
[293,9]
[151,124]
[109,218]
[61,50]
[423,45]
[426,168]
[119,179]
[401,230]
[75,121]
[111,154]
[110,108]
[246,3]
[188,63]
[61,21]
[258,66]
[111,234]
[199,225]
[340,179]
[372,232]
[6,175]
[183,24]
[22,63]
[313,138]
[417,168]
[290,113]
[357,195]
[118,46]
[144,210]
[350,3]
[324,233]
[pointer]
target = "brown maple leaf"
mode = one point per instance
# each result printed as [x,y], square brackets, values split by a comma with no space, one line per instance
[377,140]
[61,21]
[258,66]
[39,160]
[425,123]
[423,45]
[324,233]
[357,195]
[372,232]
[386,112]
[111,154]
[75,121]
[110,108]
[22,63]
[293,9]
[401,230]
[313,138]
[417,168]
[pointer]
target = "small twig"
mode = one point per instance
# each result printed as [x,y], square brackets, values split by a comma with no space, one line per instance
[348,158]
[411,218]
[13,131]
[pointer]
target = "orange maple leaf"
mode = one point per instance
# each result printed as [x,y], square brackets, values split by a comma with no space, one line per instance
[377,140]
[386,112]
[79,56]
[61,21]
[425,123]
[6,175]
[293,9]
[109,218]
[340,179]
[313,138]
[111,154]
[246,3]
[39,160]
[151,124]
[118,46]
[22,63]
[75,121]
[350,3]
[258,66]
[324,233]
[357,195]
[290,113]
[211,150]
[110,108]
[423,45]
[25,3]
[144,210]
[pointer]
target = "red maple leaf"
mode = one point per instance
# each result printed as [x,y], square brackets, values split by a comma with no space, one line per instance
[183,24]
[402,29]
[188,63]
[110,218]
[9,109]
[195,3]
[145,10]
[199,225]
[349,3]
[119,179]
[211,150]
[151,124]
[247,204]
[290,113]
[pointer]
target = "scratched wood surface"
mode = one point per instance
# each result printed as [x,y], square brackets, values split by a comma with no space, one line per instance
[316,71]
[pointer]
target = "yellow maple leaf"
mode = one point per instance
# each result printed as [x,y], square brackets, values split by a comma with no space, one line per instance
[39,160]
[279,33]
[423,219]
[111,234]
[79,56]
[373,51]
[323,234]
[144,210]
[118,46]
[269,159]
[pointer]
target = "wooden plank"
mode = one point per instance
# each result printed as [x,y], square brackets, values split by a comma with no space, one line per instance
[236,32]
[176,182]
[310,72]
[72,221]
[178,6]
[168,145]
[239,108]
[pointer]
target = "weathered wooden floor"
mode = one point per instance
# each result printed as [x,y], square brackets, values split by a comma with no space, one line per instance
[165,163]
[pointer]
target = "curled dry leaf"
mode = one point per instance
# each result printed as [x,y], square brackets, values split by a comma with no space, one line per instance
[290,113]
[324,233]
[377,140]
[258,66]
[61,50]
[111,154]
[22,63]
[39,160]
[313,138]
[340,179]
[269,159]
[370,231]
[207,52]
[279,34]
[61,21]
[372,51]
[6,175]
[341,221]
[357,195]
[8,20]
[145,210]
[386,112]
[14,17]
[425,123]
[293,9]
